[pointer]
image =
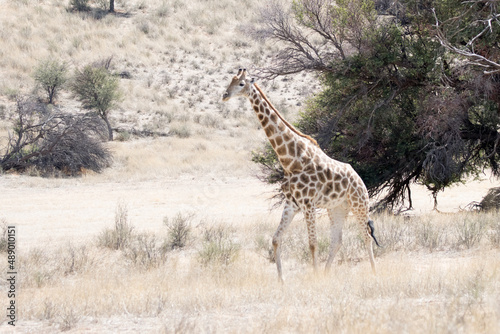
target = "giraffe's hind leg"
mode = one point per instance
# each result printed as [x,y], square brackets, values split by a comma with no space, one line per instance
[337,218]
[286,218]
[368,236]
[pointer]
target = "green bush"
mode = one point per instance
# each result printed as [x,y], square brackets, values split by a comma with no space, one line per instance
[97,89]
[218,248]
[179,231]
[403,100]
[50,76]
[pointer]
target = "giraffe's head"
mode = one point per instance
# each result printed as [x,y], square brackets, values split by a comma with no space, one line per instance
[239,86]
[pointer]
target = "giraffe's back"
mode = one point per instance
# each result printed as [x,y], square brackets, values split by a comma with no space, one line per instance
[326,183]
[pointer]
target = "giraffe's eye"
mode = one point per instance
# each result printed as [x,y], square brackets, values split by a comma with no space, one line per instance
[242,84]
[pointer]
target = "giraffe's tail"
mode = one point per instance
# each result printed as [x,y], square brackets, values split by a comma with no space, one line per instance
[371,229]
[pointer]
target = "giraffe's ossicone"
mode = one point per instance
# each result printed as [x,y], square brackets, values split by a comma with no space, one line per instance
[312,179]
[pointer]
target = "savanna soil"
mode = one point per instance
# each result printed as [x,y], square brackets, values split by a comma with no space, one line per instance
[50,212]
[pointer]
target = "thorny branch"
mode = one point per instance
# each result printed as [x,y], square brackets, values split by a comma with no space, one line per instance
[311,35]
[52,140]
[476,59]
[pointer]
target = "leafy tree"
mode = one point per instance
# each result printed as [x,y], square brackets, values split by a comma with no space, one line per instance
[395,103]
[98,90]
[51,75]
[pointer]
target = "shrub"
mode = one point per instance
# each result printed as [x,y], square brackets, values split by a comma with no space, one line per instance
[121,235]
[145,251]
[181,131]
[142,249]
[264,248]
[75,259]
[492,200]
[123,136]
[470,231]
[494,235]
[79,5]
[429,236]
[179,231]
[218,248]
[68,319]
[50,75]
[303,251]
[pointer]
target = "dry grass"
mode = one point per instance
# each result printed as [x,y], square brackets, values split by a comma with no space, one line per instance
[179,56]
[443,288]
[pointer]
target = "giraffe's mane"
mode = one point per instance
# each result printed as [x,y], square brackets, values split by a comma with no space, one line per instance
[290,126]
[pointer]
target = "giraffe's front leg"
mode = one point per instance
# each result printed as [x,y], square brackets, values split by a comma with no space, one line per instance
[310,216]
[286,218]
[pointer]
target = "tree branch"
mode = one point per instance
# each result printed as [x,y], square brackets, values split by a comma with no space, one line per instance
[474,58]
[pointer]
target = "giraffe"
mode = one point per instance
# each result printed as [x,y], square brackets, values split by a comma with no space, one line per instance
[312,179]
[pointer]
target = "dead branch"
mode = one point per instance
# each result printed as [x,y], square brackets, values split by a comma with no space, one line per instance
[50,140]
[491,67]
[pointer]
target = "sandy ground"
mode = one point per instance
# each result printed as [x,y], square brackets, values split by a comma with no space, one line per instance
[57,211]
[77,210]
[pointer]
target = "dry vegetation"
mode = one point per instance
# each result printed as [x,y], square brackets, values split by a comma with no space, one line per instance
[435,275]
[189,247]
[175,57]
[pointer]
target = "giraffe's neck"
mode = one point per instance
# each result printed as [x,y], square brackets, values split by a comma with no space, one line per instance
[283,137]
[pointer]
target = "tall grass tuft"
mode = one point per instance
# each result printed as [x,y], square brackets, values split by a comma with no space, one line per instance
[217,247]
[120,236]
[430,236]
[494,234]
[145,251]
[470,231]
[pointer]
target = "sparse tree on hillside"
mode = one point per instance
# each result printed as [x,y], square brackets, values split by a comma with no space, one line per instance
[51,75]
[112,6]
[98,90]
